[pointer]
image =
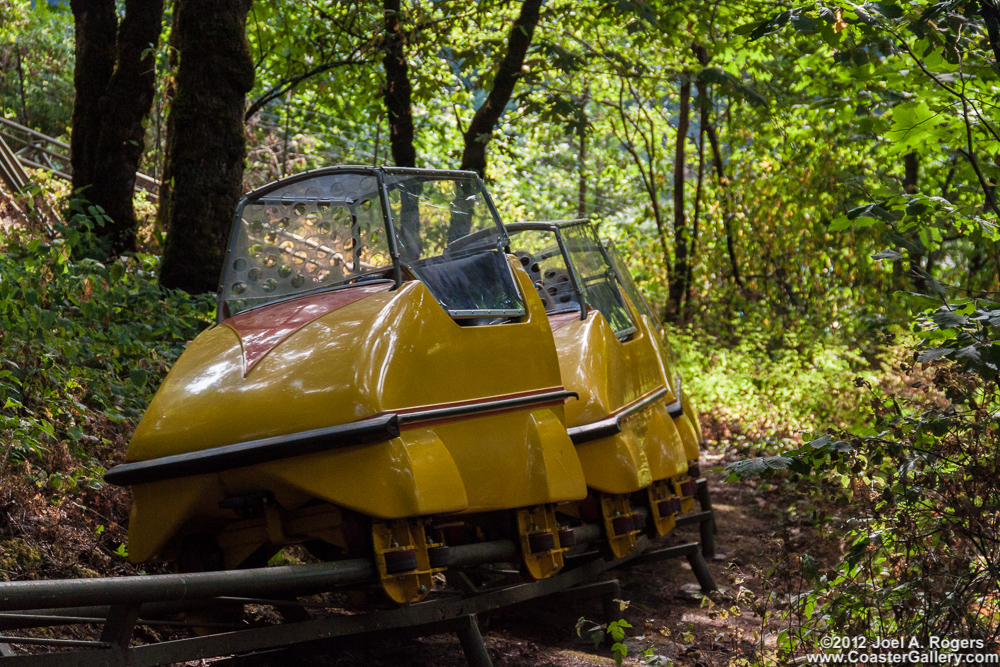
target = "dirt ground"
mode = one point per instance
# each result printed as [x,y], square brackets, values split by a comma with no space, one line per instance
[666,612]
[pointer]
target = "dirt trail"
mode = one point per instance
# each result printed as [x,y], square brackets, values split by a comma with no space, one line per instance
[664,609]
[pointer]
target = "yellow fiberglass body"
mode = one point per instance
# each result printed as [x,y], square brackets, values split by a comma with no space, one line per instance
[624,435]
[358,368]
[686,418]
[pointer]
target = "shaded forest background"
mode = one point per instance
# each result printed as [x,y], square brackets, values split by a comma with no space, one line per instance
[807,192]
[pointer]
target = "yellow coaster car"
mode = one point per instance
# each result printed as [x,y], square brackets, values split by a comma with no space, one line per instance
[380,366]
[637,440]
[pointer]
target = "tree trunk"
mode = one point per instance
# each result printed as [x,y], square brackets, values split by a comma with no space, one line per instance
[582,136]
[115,79]
[206,143]
[95,24]
[488,115]
[727,214]
[128,99]
[689,279]
[678,278]
[991,17]
[397,91]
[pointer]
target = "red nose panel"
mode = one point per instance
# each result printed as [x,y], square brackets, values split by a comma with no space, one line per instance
[261,329]
[562,319]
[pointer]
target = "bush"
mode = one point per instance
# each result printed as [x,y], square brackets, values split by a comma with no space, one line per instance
[83,346]
[761,382]
[921,484]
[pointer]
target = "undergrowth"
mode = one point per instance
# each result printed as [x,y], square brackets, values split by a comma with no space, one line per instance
[83,347]
[914,488]
[760,384]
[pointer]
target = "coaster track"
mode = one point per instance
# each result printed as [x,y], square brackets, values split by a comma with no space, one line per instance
[21,147]
[119,604]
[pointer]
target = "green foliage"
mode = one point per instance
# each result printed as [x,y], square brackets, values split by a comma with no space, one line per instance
[794,380]
[36,65]
[614,629]
[920,479]
[83,346]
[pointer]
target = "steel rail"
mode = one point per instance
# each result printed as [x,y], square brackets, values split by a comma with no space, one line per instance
[34,133]
[131,601]
[429,613]
[450,614]
[283,580]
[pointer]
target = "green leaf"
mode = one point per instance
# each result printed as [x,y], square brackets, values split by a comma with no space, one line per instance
[822,441]
[969,353]
[887,9]
[804,24]
[138,377]
[117,272]
[840,223]
[754,467]
[933,354]
[947,319]
[875,211]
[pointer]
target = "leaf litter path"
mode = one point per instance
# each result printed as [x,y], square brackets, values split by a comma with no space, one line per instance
[664,608]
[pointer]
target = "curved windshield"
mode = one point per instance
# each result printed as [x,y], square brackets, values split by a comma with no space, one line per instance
[596,276]
[638,300]
[628,284]
[539,253]
[309,234]
[449,238]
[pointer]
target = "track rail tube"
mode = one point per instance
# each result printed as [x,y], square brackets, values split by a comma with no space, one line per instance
[283,580]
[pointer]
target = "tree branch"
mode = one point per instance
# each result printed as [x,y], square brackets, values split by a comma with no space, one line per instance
[488,115]
[284,86]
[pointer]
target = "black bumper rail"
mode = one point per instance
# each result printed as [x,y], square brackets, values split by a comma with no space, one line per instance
[613,425]
[253,452]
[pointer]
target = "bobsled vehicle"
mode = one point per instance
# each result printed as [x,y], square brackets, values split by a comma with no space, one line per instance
[690,426]
[356,395]
[637,443]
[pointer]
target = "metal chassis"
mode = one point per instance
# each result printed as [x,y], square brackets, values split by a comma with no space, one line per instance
[455,614]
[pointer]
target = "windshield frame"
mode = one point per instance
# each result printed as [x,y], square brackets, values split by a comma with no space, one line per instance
[259,194]
[557,227]
[502,245]
[553,227]
[379,172]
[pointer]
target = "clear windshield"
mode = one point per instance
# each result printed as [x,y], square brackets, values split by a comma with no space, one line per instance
[540,255]
[307,235]
[628,285]
[637,298]
[449,238]
[597,277]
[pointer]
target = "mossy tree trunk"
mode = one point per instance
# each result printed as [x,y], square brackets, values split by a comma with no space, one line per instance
[206,142]
[115,80]
[678,278]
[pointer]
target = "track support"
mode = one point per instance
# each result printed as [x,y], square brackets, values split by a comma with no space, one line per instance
[708,528]
[472,642]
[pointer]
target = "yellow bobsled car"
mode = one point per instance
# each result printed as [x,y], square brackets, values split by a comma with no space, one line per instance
[358,387]
[636,435]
